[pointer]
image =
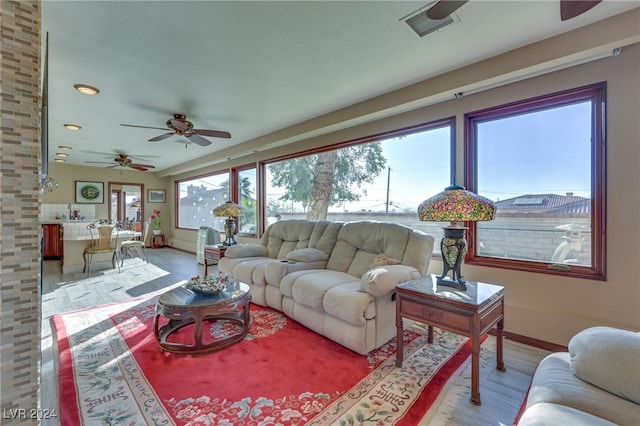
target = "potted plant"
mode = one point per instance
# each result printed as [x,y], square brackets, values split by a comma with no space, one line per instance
[155,221]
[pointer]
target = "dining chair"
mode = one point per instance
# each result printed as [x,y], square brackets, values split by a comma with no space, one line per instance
[134,247]
[104,237]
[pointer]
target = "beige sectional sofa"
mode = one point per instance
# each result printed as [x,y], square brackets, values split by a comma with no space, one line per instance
[335,278]
[596,383]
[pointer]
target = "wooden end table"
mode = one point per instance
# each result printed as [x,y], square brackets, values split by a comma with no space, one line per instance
[471,313]
[212,255]
[184,307]
[158,241]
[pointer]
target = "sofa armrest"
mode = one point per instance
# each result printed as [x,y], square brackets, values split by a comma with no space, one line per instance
[607,357]
[275,271]
[246,250]
[384,279]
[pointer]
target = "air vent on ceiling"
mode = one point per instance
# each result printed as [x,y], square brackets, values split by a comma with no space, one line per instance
[422,25]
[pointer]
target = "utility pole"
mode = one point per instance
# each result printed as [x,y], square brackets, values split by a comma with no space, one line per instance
[388,184]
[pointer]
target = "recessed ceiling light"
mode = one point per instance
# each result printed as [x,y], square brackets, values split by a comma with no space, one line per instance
[64,147]
[59,160]
[72,126]
[61,154]
[86,89]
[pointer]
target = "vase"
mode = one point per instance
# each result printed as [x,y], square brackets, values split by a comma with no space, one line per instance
[157,231]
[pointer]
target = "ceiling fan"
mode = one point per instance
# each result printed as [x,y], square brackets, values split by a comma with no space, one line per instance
[123,160]
[179,125]
[568,8]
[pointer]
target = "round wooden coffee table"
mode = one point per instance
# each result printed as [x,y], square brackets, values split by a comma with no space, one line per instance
[183,307]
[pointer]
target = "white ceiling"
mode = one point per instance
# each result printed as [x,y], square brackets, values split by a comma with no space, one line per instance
[251,68]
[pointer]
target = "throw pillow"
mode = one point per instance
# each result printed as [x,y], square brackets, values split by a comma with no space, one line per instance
[384,279]
[246,250]
[383,260]
[608,358]
[307,255]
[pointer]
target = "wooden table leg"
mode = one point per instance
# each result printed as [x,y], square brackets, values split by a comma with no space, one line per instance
[475,369]
[499,336]
[399,341]
[197,322]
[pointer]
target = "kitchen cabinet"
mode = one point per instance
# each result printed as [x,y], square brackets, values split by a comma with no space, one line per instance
[52,241]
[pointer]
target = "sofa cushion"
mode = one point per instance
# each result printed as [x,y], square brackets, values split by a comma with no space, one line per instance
[554,382]
[246,250]
[548,414]
[348,303]
[309,287]
[383,260]
[380,281]
[608,358]
[307,255]
[358,243]
[282,237]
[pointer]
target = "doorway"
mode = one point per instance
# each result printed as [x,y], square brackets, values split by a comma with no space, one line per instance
[127,203]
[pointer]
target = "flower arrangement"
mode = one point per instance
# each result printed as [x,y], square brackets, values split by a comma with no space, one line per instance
[210,284]
[155,219]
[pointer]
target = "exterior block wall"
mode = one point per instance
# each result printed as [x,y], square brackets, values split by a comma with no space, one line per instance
[20,197]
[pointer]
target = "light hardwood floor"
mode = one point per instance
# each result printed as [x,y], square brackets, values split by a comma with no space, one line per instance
[501,393]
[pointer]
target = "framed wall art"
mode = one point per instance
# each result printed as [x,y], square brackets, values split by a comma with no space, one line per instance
[89,192]
[156,195]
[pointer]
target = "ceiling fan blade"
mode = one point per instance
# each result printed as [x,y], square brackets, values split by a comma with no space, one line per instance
[144,127]
[213,133]
[161,137]
[146,166]
[572,8]
[138,167]
[444,8]
[198,139]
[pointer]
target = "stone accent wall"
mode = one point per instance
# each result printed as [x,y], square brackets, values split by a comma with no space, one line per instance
[19,227]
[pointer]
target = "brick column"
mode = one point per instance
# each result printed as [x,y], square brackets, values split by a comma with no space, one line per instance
[20,200]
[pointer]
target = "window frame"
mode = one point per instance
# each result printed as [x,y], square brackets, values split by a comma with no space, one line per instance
[596,93]
[235,193]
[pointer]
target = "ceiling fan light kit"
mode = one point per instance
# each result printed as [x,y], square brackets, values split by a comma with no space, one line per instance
[73,127]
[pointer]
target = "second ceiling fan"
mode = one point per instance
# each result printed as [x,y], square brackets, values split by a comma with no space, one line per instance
[568,8]
[179,125]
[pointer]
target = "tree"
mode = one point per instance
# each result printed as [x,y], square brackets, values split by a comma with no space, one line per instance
[329,178]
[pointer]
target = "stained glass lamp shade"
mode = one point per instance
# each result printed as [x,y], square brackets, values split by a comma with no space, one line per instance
[456,205]
[231,211]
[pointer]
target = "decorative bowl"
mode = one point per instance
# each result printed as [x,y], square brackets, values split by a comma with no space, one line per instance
[209,284]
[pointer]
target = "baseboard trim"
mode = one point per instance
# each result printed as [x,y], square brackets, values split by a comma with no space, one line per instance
[536,343]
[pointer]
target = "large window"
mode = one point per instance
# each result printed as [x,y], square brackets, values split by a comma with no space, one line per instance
[542,161]
[381,178]
[198,196]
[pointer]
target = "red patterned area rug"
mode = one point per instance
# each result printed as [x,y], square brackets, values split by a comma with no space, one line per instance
[113,372]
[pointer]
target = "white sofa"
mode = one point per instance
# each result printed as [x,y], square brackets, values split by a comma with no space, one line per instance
[596,383]
[335,278]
